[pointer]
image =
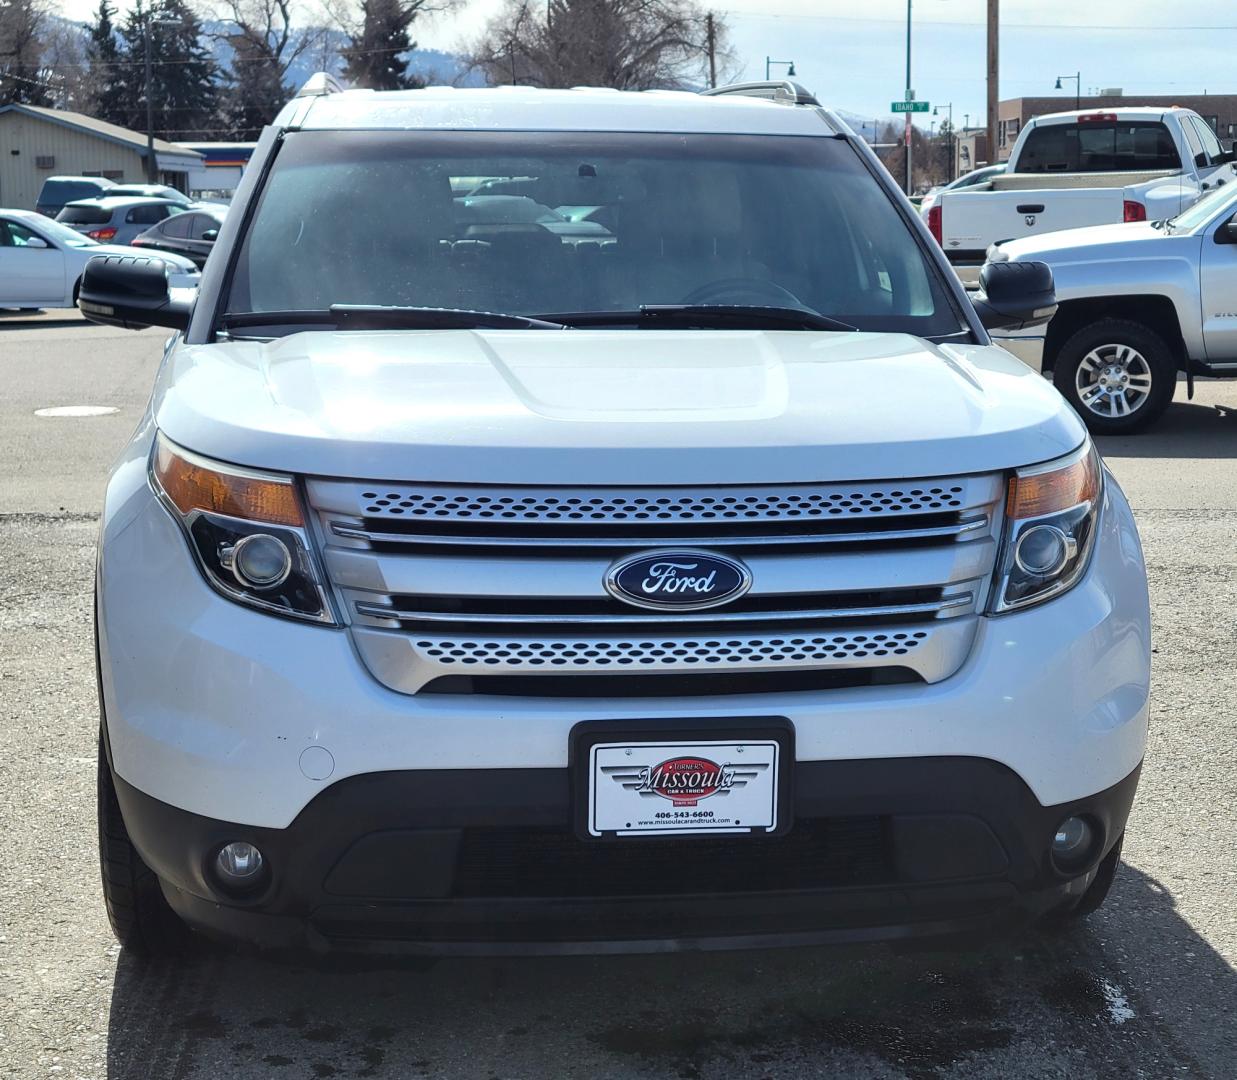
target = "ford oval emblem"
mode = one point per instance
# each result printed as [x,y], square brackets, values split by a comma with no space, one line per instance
[678,580]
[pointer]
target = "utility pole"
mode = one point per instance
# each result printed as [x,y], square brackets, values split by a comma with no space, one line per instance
[909,92]
[994,33]
[708,22]
[152,172]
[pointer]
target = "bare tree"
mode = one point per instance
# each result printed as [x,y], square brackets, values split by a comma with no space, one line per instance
[67,68]
[264,45]
[626,44]
[23,24]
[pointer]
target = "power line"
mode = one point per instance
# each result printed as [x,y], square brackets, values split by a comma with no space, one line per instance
[1053,27]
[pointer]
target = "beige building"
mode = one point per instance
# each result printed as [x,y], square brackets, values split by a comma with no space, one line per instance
[36,143]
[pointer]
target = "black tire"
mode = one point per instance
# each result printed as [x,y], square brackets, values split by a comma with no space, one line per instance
[1157,357]
[142,920]
[1097,892]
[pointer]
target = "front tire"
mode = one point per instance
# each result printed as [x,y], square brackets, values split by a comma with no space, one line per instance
[142,920]
[1119,376]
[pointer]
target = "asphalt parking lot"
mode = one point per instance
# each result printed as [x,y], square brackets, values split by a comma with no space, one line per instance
[1146,989]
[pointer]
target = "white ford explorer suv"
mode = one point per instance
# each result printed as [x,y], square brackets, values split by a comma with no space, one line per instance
[580,520]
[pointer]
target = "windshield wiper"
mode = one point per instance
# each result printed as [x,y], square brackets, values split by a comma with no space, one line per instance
[377,317]
[709,316]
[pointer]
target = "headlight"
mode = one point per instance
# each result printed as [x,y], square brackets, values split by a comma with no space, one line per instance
[247,530]
[1050,518]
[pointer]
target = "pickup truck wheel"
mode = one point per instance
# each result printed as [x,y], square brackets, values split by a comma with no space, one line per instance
[142,920]
[1118,375]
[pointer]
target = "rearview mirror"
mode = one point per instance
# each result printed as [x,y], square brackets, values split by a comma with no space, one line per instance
[36,242]
[211,235]
[133,292]
[1015,295]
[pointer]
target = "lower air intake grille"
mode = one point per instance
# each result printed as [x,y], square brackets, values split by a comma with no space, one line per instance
[816,853]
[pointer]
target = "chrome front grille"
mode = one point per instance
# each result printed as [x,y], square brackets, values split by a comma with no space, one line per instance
[444,580]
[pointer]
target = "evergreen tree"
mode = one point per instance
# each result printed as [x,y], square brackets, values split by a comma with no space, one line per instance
[264,45]
[184,75]
[373,57]
[21,52]
[106,68]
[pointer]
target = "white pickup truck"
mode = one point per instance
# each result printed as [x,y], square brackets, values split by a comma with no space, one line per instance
[1074,169]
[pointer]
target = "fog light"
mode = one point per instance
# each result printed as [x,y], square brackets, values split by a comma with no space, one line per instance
[260,561]
[239,864]
[1073,840]
[1042,550]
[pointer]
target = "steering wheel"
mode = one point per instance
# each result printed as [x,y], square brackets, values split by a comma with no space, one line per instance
[743,291]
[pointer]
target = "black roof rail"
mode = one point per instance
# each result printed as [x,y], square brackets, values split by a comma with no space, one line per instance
[783,91]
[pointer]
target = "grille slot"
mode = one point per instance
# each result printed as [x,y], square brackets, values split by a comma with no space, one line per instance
[547,506]
[654,652]
[640,684]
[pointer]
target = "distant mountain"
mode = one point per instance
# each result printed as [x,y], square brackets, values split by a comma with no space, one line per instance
[323,55]
[866,127]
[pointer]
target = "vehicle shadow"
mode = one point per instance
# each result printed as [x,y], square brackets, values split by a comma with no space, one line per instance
[16,319]
[1188,429]
[1136,991]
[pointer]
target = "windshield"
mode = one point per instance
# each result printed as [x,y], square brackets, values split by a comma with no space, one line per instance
[492,222]
[62,234]
[1204,210]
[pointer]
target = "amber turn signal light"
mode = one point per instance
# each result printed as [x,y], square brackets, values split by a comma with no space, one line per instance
[1036,494]
[192,484]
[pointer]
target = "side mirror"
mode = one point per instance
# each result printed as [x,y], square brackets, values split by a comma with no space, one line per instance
[211,235]
[133,292]
[1015,295]
[36,242]
[1227,233]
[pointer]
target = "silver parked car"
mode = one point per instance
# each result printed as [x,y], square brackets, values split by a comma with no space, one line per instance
[113,219]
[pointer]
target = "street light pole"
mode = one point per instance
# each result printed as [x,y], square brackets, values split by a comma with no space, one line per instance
[788,64]
[1077,88]
[953,135]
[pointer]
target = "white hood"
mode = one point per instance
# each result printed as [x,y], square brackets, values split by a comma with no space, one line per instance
[612,407]
[1084,242]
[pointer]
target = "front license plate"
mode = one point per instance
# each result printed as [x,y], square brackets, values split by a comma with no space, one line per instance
[691,786]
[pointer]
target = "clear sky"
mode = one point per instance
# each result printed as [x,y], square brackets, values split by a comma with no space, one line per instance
[853,55]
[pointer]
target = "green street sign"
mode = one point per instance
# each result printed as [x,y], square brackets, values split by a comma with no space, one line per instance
[909,106]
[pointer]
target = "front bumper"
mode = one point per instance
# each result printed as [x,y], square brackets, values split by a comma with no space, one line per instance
[231,714]
[422,864]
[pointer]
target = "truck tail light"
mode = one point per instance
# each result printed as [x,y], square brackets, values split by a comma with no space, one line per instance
[246,529]
[102,235]
[1051,513]
[934,222]
[1134,211]
[1098,118]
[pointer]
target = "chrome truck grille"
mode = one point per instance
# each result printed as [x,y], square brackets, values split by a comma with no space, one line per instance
[463,590]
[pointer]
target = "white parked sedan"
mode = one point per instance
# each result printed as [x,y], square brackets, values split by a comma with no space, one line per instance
[41,261]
